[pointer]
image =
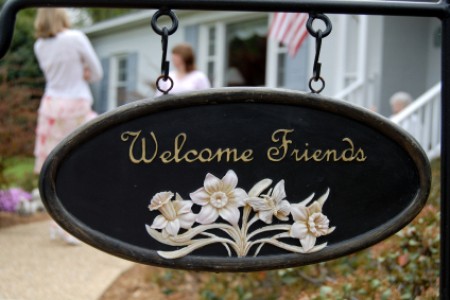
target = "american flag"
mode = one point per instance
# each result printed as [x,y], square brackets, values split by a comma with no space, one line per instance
[289,29]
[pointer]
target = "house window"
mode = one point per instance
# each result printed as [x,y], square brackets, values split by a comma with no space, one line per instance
[236,51]
[119,83]
[246,53]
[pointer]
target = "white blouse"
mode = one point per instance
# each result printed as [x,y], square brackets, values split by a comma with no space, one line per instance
[192,81]
[63,59]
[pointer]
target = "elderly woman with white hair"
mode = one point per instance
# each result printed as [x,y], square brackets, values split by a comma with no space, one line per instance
[399,101]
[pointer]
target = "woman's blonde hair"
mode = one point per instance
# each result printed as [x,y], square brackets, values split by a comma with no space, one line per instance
[50,21]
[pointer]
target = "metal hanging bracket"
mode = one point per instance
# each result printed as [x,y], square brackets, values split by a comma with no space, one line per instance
[164,33]
[318,34]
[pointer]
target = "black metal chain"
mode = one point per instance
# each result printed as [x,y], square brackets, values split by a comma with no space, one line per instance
[164,33]
[318,34]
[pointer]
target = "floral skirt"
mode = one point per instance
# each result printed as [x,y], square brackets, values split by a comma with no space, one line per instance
[56,119]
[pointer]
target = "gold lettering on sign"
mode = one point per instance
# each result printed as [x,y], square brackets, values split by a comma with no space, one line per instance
[145,151]
[178,153]
[135,135]
[279,153]
[282,149]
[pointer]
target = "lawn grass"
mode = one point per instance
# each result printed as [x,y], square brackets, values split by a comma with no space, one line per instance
[17,167]
[18,172]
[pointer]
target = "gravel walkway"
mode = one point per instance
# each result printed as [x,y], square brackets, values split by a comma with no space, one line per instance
[34,267]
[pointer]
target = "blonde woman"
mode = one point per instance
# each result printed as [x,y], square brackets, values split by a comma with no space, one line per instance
[69,63]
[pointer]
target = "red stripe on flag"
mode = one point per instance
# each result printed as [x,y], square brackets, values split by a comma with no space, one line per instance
[275,25]
[289,29]
[300,36]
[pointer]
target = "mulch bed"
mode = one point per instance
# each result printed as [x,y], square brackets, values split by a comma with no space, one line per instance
[134,284]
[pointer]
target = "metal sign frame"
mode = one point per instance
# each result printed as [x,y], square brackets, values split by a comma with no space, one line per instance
[437,9]
[253,130]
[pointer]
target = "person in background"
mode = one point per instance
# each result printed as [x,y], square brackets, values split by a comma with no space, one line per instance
[186,77]
[69,63]
[399,101]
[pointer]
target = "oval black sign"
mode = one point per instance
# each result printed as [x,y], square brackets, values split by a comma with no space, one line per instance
[236,180]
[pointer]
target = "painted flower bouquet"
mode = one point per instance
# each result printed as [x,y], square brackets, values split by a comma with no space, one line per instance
[220,201]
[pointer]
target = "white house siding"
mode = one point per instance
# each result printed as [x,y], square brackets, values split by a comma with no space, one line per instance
[406,57]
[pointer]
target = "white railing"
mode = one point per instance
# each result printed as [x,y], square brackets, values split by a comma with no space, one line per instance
[360,92]
[422,119]
[352,93]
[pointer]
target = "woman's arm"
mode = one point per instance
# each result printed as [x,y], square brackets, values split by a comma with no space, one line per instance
[93,68]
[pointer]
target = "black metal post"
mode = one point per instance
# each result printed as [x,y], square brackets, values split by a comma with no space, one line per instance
[445,152]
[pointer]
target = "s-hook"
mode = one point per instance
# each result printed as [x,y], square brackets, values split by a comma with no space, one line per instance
[164,33]
[318,34]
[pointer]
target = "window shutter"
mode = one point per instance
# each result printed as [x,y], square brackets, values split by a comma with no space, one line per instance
[132,76]
[101,89]
[96,94]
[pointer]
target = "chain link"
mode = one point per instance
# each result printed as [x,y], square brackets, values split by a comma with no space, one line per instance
[164,33]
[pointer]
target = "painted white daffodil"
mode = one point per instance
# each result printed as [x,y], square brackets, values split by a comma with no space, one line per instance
[174,214]
[271,205]
[219,197]
[310,223]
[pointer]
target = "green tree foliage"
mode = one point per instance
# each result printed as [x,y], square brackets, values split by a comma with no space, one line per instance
[20,62]
[21,86]
[101,14]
